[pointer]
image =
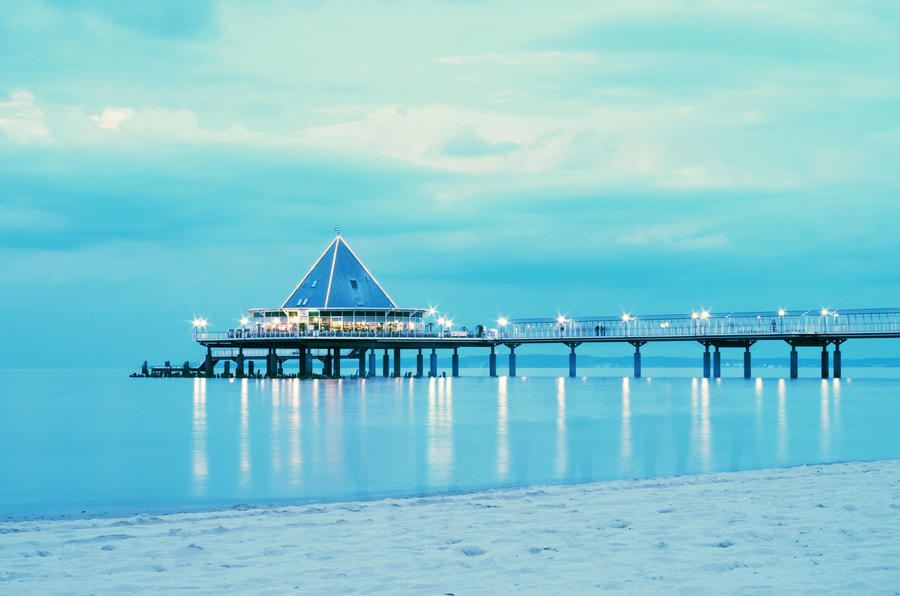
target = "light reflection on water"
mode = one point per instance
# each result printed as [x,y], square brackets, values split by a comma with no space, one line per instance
[145,444]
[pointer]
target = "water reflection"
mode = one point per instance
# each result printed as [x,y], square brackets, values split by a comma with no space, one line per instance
[275,432]
[562,455]
[502,438]
[824,420]
[626,447]
[782,422]
[244,438]
[701,430]
[836,392]
[200,467]
[295,458]
[440,431]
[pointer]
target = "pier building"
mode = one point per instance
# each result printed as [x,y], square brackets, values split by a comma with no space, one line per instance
[340,312]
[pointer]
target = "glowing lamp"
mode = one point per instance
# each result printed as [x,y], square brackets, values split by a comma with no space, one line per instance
[503,321]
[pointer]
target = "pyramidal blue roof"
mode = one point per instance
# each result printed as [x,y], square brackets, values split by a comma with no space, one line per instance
[339,280]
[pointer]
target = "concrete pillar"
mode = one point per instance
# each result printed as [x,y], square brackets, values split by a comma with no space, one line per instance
[454,363]
[326,363]
[239,372]
[210,365]
[492,363]
[186,369]
[226,372]
[420,368]
[717,363]
[280,367]
[706,363]
[825,362]
[362,363]
[302,368]
[396,362]
[432,369]
[336,363]
[270,363]
[747,362]
[637,362]
[572,363]
[512,361]
[385,364]
[794,363]
[250,370]
[837,361]
[371,370]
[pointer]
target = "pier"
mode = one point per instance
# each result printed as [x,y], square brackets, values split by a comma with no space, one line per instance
[339,313]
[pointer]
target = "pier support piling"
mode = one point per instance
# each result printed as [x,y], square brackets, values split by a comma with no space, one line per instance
[454,363]
[432,368]
[396,362]
[210,364]
[336,363]
[572,360]
[302,362]
[250,368]
[747,362]
[837,360]
[825,361]
[280,367]
[385,364]
[492,362]
[420,368]
[717,363]
[326,364]
[270,363]
[239,369]
[371,371]
[706,362]
[362,362]
[637,361]
[794,362]
[226,372]
[512,361]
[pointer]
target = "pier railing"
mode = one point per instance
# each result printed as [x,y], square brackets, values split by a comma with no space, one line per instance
[631,327]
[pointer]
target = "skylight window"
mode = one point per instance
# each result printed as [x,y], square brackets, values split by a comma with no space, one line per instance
[353,284]
[304,301]
[314,283]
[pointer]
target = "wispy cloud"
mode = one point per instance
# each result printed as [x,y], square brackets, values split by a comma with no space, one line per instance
[21,120]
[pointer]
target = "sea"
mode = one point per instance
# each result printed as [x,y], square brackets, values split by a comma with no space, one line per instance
[96,442]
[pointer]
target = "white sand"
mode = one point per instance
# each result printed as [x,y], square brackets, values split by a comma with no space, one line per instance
[808,529]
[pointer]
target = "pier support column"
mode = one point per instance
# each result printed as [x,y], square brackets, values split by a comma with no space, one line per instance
[396,362]
[825,361]
[747,362]
[336,363]
[794,362]
[637,361]
[239,372]
[837,361]
[210,365]
[326,364]
[492,362]
[512,361]
[250,370]
[270,363]
[362,362]
[302,363]
[717,363]
[226,372]
[454,360]
[371,370]
[280,367]
[706,362]
[385,364]
[572,361]
[420,368]
[432,368]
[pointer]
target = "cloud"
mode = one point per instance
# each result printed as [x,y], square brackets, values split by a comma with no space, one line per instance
[21,120]
[679,236]
[111,117]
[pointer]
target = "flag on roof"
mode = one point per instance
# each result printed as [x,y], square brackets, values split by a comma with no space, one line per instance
[339,280]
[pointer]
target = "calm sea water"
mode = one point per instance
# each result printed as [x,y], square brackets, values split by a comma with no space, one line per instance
[96,441]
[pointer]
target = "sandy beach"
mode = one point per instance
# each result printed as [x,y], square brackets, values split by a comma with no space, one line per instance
[806,529]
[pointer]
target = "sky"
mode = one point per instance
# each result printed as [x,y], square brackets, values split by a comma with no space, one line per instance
[164,160]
